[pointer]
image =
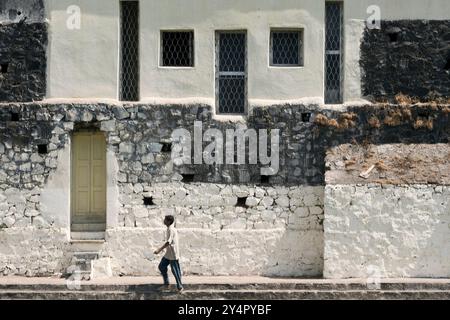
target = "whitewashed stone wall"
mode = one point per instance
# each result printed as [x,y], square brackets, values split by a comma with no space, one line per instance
[277,232]
[33,251]
[387,231]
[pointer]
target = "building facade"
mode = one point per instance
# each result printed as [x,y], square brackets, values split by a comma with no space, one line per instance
[352,95]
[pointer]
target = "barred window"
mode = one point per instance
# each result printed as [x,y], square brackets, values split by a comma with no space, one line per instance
[129,51]
[334,21]
[177,48]
[231,72]
[286,48]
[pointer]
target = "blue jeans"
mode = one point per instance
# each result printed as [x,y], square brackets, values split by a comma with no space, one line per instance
[176,270]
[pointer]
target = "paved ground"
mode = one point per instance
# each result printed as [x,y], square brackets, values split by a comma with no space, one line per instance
[235,288]
[215,280]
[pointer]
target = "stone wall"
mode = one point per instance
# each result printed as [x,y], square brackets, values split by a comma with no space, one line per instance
[387,231]
[23,45]
[275,231]
[409,56]
[234,228]
[138,134]
[34,251]
[232,222]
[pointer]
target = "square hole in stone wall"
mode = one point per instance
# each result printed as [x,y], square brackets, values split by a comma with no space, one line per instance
[187,178]
[265,179]
[148,201]
[241,202]
[306,116]
[4,67]
[447,66]
[42,149]
[15,116]
[166,147]
[393,36]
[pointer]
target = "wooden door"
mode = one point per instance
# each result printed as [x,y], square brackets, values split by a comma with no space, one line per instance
[88,179]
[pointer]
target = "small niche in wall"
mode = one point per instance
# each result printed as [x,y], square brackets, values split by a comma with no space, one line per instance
[4,67]
[42,149]
[15,116]
[447,66]
[241,202]
[148,201]
[265,179]
[306,116]
[423,114]
[393,37]
[188,178]
[166,147]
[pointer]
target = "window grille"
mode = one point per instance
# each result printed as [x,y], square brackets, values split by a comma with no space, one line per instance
[177,48]
[333,52]
[129,51]
[231,72]
[286,48]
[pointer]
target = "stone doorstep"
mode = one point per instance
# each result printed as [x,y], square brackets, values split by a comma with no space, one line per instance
[87,236]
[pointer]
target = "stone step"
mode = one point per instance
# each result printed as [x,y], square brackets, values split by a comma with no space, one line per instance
[87,236]
[226,294]
[85,255]
[81,265]
[225,287]
[86,286]
[88,227]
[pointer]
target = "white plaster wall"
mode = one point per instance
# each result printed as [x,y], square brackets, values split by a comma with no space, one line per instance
[112,195]
[387,232]
[84,63]
[257,17]
[55,196]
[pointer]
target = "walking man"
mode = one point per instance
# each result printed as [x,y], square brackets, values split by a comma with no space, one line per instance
[172,254]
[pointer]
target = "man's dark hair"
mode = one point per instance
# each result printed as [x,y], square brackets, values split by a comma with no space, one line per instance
[170,219]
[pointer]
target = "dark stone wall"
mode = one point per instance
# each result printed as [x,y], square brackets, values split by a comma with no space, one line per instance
[23,61]
[22,10]
[140,131]
[410,57]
